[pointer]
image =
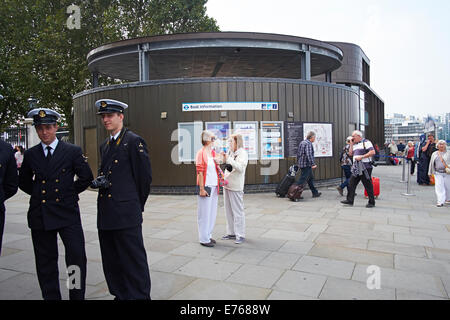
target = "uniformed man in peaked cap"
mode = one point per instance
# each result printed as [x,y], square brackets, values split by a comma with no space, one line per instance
[124,185]
[47,174]
[9,181]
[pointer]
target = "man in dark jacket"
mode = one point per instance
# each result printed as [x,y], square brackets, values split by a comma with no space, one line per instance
[123,190]
[9,181]
[47,174]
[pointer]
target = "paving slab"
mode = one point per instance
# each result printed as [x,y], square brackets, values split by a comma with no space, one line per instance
[353,255]
[422,265]
[280,295]
[397,248]
[208,268]
[407,237]
[204,289]
[280,260]
[199,251]
[165,285]
[170,263]
[400,279]
[325,266]
[402,294]
[413,240]
[286,235]
[250,256]
[256,276]
[347,241]
[301,283]
[439,254]
[340,289]
[297,247]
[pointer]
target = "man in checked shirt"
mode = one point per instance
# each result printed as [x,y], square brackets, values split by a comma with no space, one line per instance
[305,159]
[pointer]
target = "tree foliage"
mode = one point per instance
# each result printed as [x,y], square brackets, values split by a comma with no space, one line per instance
[41,57]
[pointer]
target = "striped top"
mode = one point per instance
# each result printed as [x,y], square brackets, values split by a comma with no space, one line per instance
[360,149]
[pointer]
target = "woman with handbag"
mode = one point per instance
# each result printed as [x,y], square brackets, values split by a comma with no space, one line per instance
[233,193]
[439,166]
[208,183]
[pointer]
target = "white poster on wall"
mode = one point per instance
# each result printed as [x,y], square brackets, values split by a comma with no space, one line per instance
[222,131]
[249,132]
[272,140]
[323,146]
[189,140]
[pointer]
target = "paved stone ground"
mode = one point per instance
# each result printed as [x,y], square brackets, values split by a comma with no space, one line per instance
[314,249]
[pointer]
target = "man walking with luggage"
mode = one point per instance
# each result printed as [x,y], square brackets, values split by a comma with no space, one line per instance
[305,159]
[362,150]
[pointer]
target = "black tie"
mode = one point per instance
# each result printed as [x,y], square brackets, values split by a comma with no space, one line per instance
[49,154]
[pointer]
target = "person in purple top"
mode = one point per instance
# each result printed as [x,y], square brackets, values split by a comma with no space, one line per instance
[305,159]
[362,151]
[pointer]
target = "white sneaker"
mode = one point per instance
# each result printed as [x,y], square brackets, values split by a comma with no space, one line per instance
[239,240]
[440,205]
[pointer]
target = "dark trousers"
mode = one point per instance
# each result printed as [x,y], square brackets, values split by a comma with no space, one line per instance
[412,164]
[45,244]
[125,263]
[353,183]
[307,175]
[348,174]
[422,171]
[2,224]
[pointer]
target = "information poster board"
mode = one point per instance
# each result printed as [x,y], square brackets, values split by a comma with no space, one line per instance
[189,140]
[323,146]
[249,132]
[272,140]
[293,137]
[222,131]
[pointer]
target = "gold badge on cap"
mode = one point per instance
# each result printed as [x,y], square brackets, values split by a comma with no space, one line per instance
[42,114]
[103,104]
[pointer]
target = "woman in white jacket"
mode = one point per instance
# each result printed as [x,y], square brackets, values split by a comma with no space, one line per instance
[233,193]
[439,163]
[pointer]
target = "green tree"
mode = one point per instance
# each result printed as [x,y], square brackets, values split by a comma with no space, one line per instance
[42,57]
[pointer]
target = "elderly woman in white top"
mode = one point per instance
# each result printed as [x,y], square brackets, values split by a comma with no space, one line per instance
[233,193]
[439,164]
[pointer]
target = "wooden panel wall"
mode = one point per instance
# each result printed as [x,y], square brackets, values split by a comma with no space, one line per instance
[308,102]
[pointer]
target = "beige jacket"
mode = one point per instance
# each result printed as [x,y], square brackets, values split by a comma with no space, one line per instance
[236,178]
[434,156]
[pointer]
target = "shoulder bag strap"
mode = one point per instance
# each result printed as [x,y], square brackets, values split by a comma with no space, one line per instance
[439,154]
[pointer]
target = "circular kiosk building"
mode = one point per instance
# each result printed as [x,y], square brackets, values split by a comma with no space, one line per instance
[271,88]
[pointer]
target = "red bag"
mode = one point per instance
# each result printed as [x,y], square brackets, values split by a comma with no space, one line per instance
[376,188]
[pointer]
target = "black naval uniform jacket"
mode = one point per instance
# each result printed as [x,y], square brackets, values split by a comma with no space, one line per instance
[127,167]
[8,173]
[54,193]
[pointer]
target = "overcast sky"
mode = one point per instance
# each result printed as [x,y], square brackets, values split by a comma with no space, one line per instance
[407,42]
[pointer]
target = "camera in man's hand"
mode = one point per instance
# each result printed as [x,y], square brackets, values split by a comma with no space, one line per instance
[229,167]
[101,182]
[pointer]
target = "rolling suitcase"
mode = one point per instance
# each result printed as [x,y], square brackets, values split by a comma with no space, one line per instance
[295,192]
[288,180]
[376,188]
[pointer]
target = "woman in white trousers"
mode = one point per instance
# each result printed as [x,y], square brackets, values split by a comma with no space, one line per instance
[233,192]
[207,179]
[439,163]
